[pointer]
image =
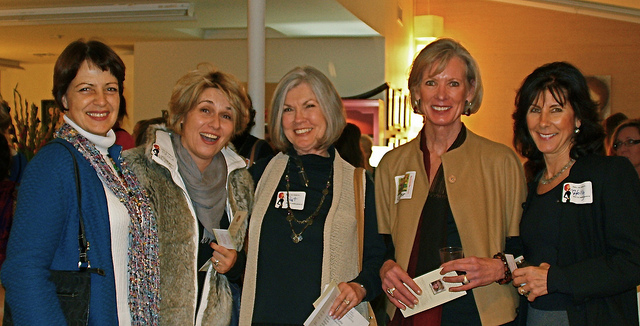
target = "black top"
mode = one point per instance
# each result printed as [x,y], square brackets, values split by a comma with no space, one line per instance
[290,273]
[540,233]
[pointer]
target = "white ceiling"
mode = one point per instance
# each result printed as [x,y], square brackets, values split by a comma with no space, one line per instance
[213,19]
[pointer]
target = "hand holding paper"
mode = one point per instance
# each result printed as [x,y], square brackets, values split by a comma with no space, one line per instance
[435,291]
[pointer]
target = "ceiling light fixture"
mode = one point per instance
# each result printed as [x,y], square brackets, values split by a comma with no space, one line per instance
[98,14]
[427,28]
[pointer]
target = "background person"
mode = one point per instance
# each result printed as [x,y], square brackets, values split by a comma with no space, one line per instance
[581,223]
[625,140]
[366,145]
[296,250]
[18,159]
[466,192]
[610,124]
[348,145]
[198,184]
[123,138]
[249,146]
[87,85]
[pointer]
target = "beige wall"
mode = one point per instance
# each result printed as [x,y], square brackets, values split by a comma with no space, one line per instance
[358,63]
[510,41]
[382,16]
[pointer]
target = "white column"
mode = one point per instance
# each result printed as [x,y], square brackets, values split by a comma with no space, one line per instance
[256,48]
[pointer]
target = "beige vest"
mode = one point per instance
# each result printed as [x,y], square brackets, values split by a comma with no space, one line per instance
[340,252]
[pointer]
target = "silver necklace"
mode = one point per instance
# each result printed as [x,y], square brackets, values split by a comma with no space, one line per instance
[564,168]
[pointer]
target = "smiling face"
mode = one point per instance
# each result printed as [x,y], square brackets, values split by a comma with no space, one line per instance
[632,151]
[303,122]
[442,96]
[552,126]
[92,99]
[208,127]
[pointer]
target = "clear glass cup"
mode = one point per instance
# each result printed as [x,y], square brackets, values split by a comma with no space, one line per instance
[450,253]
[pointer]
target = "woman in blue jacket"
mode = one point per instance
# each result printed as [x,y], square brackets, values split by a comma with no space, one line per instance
[88,80]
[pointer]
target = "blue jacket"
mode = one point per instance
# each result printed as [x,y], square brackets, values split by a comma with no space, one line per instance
[44,236]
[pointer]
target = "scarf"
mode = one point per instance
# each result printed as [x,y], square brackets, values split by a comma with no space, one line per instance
[144,277]
[207,189]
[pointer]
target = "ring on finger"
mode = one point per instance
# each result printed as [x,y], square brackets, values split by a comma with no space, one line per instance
[522,291]
[390,291]
[465,280]
[346,302]
[216,263]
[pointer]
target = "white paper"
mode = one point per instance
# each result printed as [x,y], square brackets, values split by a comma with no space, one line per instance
[223,238]
[435,292]
[320,315]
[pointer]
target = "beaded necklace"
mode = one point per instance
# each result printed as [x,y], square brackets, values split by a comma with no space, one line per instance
[143,265]
[297,236]
[545,181]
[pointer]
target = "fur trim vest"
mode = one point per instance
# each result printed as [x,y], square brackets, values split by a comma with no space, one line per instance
[340,252]
[156,168]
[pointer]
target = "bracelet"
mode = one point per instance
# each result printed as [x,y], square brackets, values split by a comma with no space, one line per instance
[507,272]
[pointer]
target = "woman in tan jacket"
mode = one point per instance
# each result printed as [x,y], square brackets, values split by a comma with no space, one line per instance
[449,187]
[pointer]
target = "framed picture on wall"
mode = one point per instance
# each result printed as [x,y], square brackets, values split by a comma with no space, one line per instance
[600,90]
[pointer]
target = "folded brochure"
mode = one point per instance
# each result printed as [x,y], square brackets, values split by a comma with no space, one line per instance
[435,291]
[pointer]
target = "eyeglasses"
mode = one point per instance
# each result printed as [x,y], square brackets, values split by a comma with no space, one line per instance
[627,143]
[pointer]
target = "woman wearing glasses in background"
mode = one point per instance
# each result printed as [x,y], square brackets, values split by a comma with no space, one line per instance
[581,223]
[625,141]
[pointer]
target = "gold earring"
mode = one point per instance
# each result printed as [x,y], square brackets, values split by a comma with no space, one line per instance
[467,108]
[416,106]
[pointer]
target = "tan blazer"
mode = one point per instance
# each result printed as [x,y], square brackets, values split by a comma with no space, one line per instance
[486,188]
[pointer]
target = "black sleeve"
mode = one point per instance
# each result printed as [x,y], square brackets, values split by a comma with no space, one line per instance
[374,248]
[235,273]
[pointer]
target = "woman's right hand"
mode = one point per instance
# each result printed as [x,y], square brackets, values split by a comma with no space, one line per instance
[394,279]
[531,281]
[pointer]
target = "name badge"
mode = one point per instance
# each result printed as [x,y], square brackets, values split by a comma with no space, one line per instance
[296,199]
[404,185]
[577,193]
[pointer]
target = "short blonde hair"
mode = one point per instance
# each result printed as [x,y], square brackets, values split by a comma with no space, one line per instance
[190,86]
[437,55]
[328,99]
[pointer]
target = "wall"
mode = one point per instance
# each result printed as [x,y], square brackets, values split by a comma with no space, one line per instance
[358,64]
[510,41]
[382,16]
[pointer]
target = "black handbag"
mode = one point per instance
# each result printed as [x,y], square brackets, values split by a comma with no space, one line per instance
[72,287]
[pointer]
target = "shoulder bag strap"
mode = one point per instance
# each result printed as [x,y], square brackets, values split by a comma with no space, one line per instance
[83,245]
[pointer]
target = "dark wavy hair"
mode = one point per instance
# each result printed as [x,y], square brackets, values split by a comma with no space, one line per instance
[569,87]
[70,60]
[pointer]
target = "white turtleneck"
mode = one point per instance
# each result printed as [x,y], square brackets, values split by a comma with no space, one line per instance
[119,223]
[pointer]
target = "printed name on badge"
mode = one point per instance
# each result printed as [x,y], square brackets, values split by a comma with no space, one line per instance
[296,199]
[577,193]
[404,185]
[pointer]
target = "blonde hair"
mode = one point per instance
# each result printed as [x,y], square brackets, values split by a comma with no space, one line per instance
[190,86]
[435,57]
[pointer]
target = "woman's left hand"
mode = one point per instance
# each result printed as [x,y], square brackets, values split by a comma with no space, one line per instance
[351,294]
[223,259]
[479,272]
[531,281]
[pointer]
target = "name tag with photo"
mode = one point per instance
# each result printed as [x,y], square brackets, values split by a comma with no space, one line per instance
[296,200]
[577,193]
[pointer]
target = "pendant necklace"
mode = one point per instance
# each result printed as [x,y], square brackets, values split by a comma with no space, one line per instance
[545,181]
[297,236]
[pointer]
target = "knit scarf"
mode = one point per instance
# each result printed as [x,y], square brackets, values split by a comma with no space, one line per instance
[144,277]
[207,189]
